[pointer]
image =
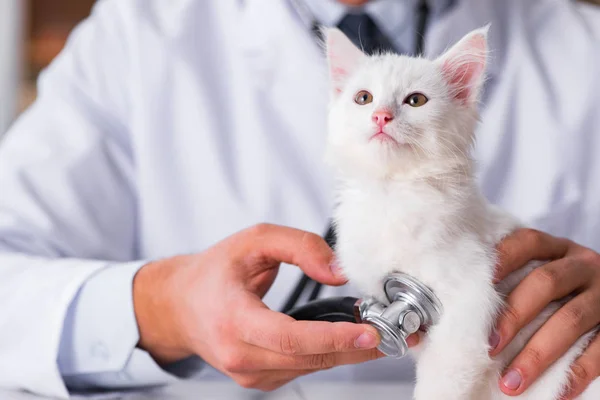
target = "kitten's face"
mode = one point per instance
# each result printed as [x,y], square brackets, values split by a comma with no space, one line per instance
[391,113]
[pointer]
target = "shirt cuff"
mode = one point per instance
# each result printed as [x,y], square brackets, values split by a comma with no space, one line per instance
[100,330]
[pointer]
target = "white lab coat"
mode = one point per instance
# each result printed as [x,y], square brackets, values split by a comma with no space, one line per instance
[167,125]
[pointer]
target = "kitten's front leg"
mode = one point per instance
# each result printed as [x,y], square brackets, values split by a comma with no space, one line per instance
[454,363]
[459,374]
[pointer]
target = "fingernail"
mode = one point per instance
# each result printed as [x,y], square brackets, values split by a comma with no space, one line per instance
[494,340]
[512,379]
[366,341]
[336,270]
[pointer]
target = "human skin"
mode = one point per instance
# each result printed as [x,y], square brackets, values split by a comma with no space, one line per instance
[354,2]
[209,304]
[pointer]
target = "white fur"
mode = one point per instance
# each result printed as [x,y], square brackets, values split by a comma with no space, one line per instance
[415,207]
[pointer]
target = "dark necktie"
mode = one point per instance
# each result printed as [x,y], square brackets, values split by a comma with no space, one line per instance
[365,34]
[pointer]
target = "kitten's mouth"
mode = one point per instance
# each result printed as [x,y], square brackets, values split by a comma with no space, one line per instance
[383,137]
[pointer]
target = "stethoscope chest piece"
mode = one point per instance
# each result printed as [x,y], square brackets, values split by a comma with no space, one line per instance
[412,306]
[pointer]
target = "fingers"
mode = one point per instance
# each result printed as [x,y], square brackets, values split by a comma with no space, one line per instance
[283,334]
[550,282]
[525,245]
[276,370]
[248,359]
[584,370]
[293,246]
[546,346]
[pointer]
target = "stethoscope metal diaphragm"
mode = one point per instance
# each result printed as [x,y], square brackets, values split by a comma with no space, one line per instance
[412,306]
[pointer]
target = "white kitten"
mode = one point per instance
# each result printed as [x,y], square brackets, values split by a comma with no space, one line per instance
[401,131]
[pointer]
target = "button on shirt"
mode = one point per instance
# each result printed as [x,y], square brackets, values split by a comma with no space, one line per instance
[100,331]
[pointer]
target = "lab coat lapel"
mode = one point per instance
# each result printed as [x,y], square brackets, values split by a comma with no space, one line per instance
[286,76]
[286,68]
[258,42]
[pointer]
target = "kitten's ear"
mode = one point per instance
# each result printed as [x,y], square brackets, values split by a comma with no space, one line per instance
[463,65]
[342,57]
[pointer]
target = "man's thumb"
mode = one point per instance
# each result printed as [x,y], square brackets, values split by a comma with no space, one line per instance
[304,249]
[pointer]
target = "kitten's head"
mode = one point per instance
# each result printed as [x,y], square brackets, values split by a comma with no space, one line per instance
[392,115]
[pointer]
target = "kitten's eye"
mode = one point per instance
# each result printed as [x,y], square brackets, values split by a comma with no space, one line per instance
[416,99]
[363,97]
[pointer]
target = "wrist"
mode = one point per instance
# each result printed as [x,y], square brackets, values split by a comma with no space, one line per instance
[156,306]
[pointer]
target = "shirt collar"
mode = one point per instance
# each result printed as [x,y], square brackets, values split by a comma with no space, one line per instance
[390,14]
[395,18]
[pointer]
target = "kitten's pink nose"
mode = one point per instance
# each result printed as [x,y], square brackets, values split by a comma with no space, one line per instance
[382,117]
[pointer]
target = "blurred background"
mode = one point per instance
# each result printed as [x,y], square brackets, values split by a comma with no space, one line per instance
[32,33]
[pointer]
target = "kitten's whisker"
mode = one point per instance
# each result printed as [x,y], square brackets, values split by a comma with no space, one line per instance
[461,157]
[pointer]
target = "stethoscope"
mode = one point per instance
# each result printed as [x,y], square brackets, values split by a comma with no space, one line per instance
[411,306]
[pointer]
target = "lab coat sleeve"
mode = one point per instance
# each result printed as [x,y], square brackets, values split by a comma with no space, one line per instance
[68,206]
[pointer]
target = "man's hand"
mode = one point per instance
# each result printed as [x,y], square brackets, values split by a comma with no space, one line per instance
[210,305]
[573,269]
